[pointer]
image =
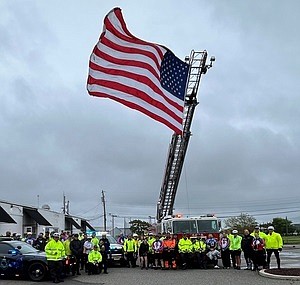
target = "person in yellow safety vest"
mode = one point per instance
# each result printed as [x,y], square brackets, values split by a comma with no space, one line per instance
[260,233]
[80,236]
[184,248]
[55,253]
[198,249]
[68,253]
[95,240]
[130,250]
[137,244]
[273,244]
[151,240]
[236,246]
[136,239]
[232,256]
[94,261]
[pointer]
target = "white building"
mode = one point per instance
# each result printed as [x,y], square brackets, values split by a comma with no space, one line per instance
[22,219]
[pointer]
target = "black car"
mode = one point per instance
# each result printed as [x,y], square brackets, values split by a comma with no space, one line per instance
[17,258]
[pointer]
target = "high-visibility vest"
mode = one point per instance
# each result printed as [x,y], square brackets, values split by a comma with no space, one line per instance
[129,245]
[94,256]
[198,246]
[260,234]
[95,241]
[184,245]
[55,250]
[67,247]
[274,241]
[236,243]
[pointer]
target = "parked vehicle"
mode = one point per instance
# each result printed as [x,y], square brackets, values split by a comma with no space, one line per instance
[19,259]
[116,253]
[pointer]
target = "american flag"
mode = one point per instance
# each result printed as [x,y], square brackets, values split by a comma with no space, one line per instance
[141,75]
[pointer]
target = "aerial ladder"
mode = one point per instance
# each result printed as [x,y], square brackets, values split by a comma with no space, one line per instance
[179,142]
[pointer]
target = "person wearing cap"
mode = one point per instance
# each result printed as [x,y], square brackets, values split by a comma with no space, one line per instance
[94,261]
[236,247]
[260,233]
[169,244]
[40,242]
[273,244]
[130,249]
[77,252]
[29,238]
[151,240]
[55,253]
[87,247]
[95,240]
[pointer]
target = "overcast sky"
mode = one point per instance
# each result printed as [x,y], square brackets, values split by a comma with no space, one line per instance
[244,155]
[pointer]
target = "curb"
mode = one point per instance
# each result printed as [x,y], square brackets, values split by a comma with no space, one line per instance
[281,277]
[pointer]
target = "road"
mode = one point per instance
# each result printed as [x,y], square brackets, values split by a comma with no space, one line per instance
[290,257]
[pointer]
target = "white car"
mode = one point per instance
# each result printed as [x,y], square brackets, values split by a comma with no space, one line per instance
[116,253]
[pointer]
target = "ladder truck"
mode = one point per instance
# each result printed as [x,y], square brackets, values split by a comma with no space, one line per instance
[179,142]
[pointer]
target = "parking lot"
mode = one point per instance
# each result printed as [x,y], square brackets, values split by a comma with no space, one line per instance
[290,257]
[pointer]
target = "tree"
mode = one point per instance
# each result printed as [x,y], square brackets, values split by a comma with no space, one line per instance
[283,226]
[139,227]
[241,222]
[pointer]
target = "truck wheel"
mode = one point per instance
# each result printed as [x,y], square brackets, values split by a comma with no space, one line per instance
[37,271]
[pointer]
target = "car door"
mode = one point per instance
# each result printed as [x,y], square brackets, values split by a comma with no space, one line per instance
[10,260]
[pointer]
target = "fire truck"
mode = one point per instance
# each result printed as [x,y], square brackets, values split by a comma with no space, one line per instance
[166,221]
[203,225]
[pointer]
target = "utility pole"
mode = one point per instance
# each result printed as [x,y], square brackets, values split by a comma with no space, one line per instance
[113,224]
[104,210]
[64,204]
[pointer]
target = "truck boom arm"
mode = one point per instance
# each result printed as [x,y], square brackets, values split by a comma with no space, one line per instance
[179,143]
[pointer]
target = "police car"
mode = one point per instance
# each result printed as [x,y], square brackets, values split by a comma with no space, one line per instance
[19,259]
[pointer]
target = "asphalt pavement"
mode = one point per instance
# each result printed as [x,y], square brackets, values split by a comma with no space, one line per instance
[165,277]
[290,257]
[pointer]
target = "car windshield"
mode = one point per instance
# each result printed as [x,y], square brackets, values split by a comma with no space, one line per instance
[209,226]
[24,247]
[111,239]
[187,226]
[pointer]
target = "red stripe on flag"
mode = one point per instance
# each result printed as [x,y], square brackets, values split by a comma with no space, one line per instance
[125,62]
[139,108]
[125,52]
[130,38]
[134,92]
[139,78]
[129,50]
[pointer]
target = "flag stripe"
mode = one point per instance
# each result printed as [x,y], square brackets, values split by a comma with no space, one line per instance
[130,50]
[130,85]
[128,70]
[118,22]
[131,102]
[99,63]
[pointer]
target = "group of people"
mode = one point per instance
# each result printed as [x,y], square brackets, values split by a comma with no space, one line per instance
[81,251]
[84,252]
[168,251]
[160,251]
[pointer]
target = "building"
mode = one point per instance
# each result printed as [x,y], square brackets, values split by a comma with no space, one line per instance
[22,219]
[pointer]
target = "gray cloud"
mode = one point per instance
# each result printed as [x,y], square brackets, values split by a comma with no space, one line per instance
[56,139]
